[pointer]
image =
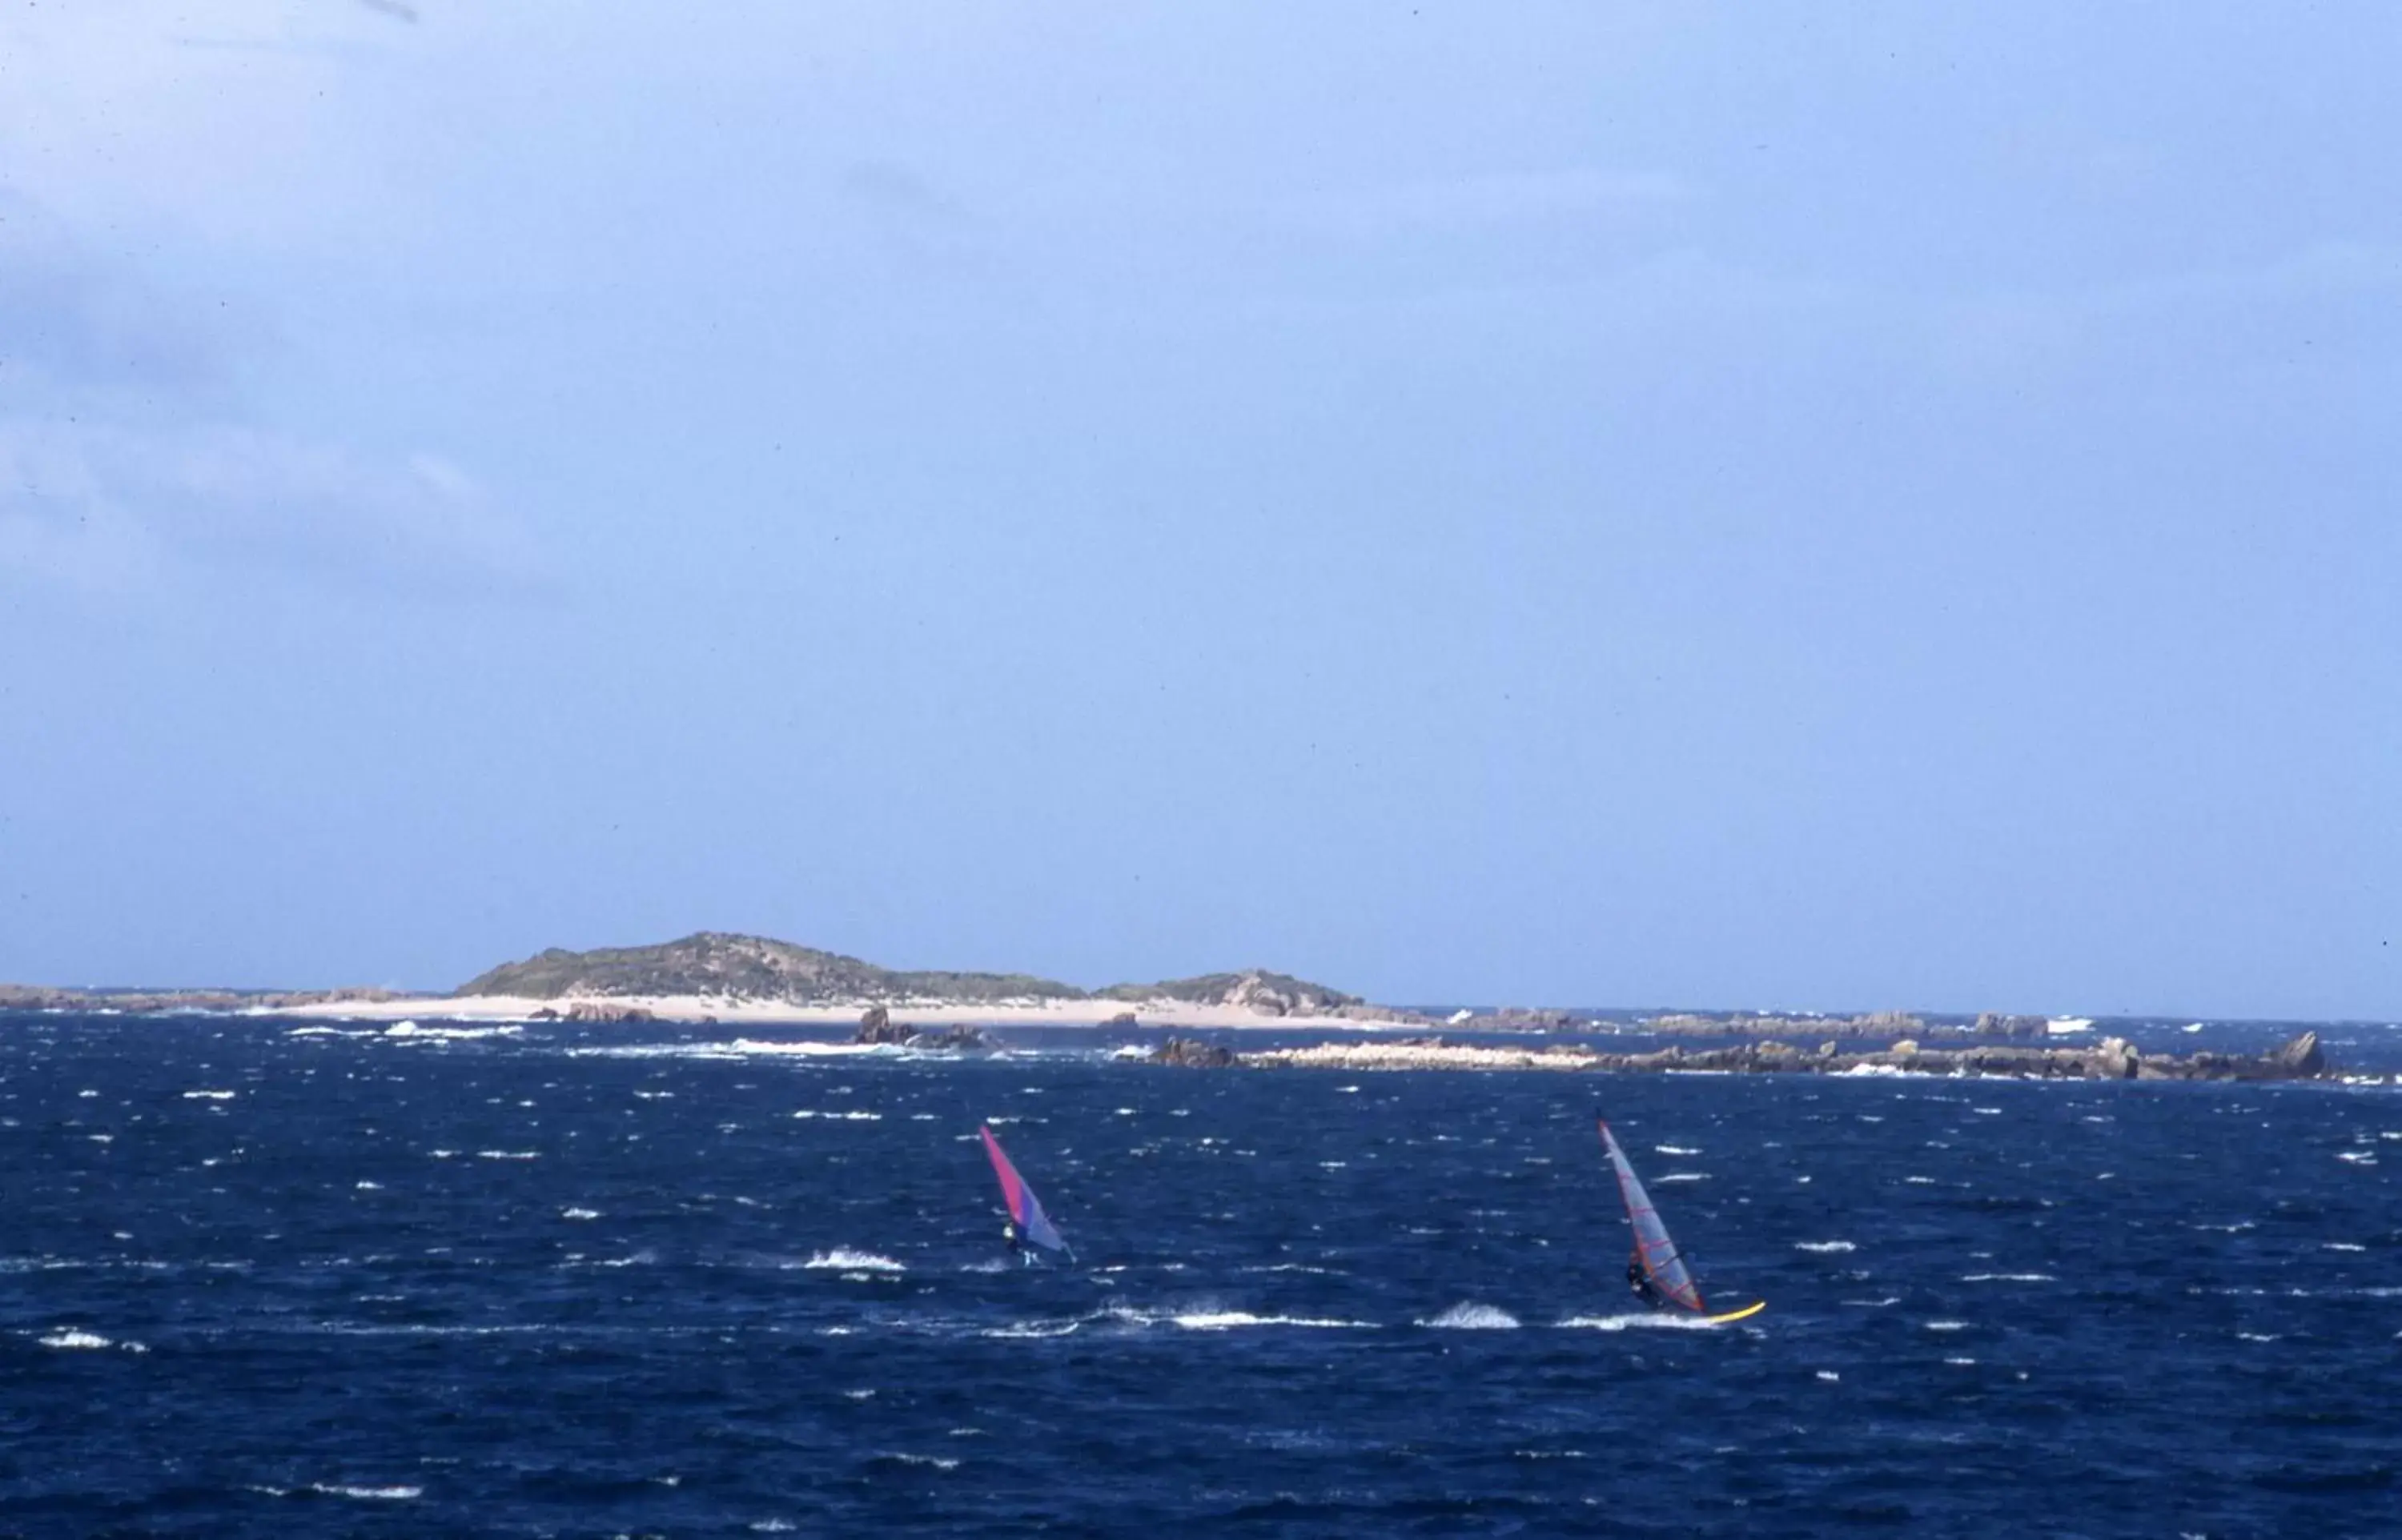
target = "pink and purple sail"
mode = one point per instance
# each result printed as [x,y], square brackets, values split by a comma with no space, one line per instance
[1024,1206]
[1658,1253]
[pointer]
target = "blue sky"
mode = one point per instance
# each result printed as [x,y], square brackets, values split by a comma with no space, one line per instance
[1726,505]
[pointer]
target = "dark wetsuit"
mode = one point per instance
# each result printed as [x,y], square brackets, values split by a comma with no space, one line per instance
[1640,1282]
[1015,1242]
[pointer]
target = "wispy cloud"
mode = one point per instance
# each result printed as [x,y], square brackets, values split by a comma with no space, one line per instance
[126,461]
[396,9]
[124,509]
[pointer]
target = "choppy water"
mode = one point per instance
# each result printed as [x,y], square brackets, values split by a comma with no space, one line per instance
[256,1279]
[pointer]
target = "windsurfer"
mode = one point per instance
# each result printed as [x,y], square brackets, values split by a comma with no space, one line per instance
[1015,1242]
[1640,1282]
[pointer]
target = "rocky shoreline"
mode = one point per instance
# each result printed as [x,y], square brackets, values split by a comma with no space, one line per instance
[2300,1058]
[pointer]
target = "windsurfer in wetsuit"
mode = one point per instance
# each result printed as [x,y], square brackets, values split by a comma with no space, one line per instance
[1014,1241]
[1640,1282]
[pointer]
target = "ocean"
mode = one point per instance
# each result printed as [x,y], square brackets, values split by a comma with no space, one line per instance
[266,1277]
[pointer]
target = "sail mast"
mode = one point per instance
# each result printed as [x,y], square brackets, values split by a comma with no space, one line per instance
[1652,1243]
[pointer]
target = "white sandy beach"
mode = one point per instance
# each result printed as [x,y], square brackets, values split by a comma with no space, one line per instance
[744,1012]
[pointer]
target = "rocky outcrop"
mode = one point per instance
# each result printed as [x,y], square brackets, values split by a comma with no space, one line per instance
[1194,1055]
[877,1028]
[608,1010]
[2112,1059]
[1874,1024]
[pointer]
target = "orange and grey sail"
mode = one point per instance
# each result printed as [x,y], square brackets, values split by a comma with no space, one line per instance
[1653,1246]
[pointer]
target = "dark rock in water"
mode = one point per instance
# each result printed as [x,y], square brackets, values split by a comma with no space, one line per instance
[878,1027]
[545,1015]
[2298,1055]
[952,1038]
[607,1011]
[1192,1054]
[1124,1018]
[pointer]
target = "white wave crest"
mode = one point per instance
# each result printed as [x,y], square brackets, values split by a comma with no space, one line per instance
[844,1259]
[73,1339]
[1221,1320]
[210,1095]
[1470,1316]
[1638,1321]
[2008,1278]
[1823,1246]
[1033,1328]
[845,1117]
[1226,1320]
[1674,1150]
[370,1494]
[1946,1326]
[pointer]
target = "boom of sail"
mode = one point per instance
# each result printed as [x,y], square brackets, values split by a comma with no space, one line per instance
[1025,1208]
[1653,1246]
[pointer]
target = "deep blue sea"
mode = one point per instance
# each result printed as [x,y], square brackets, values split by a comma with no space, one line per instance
[265,1277]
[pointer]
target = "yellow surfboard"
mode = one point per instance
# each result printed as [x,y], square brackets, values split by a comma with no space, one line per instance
[1750,1310]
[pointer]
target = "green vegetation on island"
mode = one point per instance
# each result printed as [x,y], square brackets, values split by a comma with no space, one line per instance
[757,968]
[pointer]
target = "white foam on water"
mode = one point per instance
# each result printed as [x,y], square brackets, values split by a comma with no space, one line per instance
[1920,1181]
[859,1394]
[73,1339]
[448,1033]
[210,1095]
[1830,1376]
[579,1214]
[1673,1150]
[368,1494]
[2008,1278]
[842,1258]
[937,1461]
[1470,1316]
[1033,1328]
[1961,1363]
[2357,1157]
[1823,1246]
[1874,1304]
[508,1155]
[809,1051]
[2341,1245]
[2062,1026]
[2256,1336]
[1986,1111]
[1945,1326]
[847,1117]
[770,1526]
[1639,1321]
[1873,1072]
[1681,1176]
[1226,1320]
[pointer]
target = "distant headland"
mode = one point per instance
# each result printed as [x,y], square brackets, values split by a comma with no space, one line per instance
[721,977]
[717,977]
